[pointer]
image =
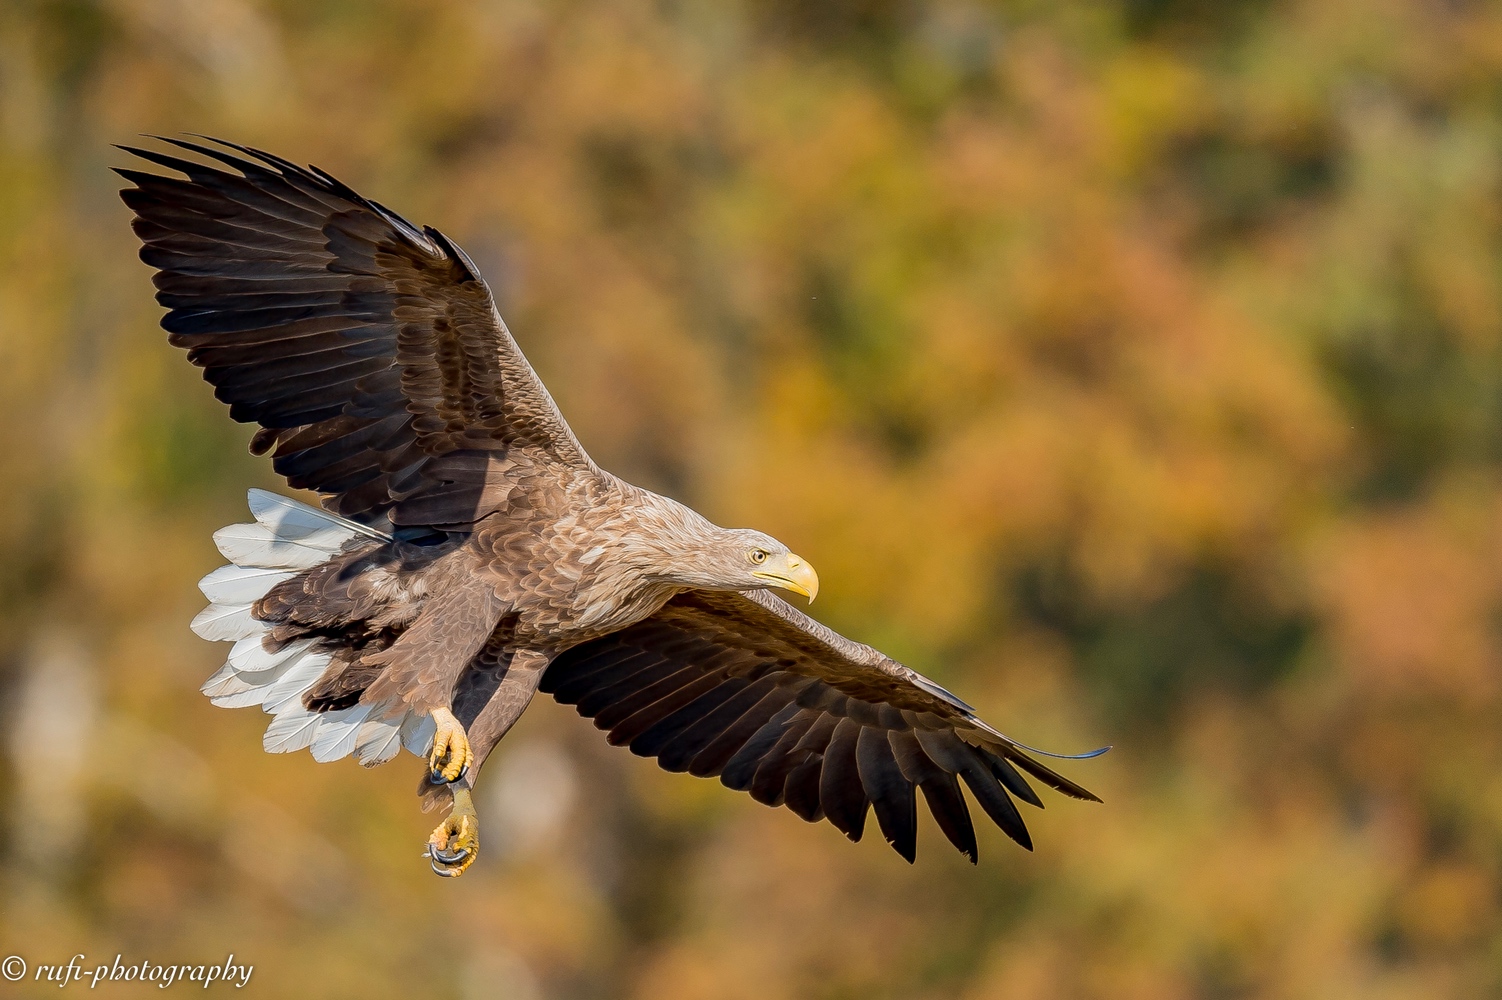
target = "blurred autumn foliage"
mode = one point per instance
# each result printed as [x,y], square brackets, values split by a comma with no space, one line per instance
[1133,367]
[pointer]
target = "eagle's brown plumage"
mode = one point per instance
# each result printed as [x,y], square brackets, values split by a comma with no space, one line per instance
[481,555]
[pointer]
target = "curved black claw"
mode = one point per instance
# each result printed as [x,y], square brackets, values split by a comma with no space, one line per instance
[445,872]
[448,857]
[442,862]
[436,777]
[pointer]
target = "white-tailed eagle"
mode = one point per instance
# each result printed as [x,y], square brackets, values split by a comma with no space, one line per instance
[471,553]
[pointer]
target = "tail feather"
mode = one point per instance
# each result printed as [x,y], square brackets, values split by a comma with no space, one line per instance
[287,690]
[291,731]
[256,545]
[241,584]
[226,622]
[226,681]
[250,656]
[286,538]
[417,733]
[290,519]
[378,740]
[241,686]
[337,732]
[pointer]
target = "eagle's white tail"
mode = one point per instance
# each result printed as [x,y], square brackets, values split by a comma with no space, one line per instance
[289,537]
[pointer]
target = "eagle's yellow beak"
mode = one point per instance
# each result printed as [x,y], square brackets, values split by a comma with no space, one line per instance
[791,573]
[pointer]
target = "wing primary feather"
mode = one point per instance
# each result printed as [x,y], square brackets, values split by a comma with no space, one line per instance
[246,167]
[994,799]
[712,760]
[942,793]
[803,766]
[801,788]
[841,792]
[739,771]
[770,780]
[940,790]
[637,723]
[619,702]
[1011,780]
[1051,778]
[956,756]
[892,796]
[570,676]
[656,737]
[679,750]
[642,684]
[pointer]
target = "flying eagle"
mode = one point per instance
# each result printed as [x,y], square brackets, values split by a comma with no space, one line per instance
[471,553]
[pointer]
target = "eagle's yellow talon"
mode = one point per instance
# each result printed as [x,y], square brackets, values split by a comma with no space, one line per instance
[451,755]
[455,844]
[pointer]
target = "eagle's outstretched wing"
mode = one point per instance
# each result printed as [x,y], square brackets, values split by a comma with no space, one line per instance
[369,350]
[745,686]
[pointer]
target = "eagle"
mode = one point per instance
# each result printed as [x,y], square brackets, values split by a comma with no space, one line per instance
[469,553]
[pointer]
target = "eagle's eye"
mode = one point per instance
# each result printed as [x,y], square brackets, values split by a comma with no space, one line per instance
[757,556]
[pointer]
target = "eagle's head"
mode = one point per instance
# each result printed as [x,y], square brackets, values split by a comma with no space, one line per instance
[750,560]
[694,552]
[742,559]
[671,543]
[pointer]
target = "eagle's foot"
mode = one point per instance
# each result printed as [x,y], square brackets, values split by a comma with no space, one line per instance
[455,844]
[451,755]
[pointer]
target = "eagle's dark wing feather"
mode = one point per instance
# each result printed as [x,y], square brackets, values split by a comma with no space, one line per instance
[744,686]
[369,351]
